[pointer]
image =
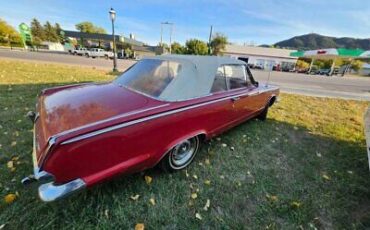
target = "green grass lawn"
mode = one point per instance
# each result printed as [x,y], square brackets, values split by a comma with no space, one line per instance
[305,167]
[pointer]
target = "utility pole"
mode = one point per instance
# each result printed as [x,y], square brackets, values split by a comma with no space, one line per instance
[209,40]
[171,28]
[161,35]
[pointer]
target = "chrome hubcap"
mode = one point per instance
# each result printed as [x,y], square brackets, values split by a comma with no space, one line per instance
[183,152]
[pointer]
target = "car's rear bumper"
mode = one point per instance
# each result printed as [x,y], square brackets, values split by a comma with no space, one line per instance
[48,190]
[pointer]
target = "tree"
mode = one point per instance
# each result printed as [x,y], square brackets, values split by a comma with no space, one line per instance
[177,48]
[197,47]
[218,43]
[58,30]
[8,35]
[89,27]
[37,31]
[50,33]
[302,64]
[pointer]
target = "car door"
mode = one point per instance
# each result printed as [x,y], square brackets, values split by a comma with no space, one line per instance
[245,94]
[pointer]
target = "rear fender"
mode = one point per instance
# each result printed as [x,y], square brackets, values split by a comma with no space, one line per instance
[179,140]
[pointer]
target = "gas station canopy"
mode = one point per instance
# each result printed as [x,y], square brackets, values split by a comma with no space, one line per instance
[333,53]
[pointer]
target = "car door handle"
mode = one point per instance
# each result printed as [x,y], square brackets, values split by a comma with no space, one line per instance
[235,98]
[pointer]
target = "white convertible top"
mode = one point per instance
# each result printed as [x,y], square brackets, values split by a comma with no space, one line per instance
[196,76]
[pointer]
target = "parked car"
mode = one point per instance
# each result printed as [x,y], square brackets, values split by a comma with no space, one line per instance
[158,112]
[314,70]
[324,72]
[80,51]
[97,53]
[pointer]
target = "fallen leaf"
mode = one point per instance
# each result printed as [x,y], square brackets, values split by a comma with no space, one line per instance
[14,143]
[135,197]
[195,177]
[224,145]
[10,164]
[148,179]
[318,154]
[194,195]
[2,226]
[272,198]
[207,182]
[139,226]
[232,148]
[15,158]
[326,177]
[207,162]
[222,177]
[152,201]
[208,203]
[186,173]
[106,213]
[10,198]
[349,172]
[295,204]
[198,216]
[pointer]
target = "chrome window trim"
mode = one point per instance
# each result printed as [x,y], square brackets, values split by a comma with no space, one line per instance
[130,123]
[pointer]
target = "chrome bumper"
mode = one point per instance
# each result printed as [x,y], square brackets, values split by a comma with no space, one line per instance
[48,191]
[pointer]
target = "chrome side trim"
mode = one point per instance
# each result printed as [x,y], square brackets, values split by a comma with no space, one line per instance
[49,192]
[126,124]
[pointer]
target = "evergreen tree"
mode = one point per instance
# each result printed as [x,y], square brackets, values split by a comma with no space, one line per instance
[37,31]
[50,32]
[58,30]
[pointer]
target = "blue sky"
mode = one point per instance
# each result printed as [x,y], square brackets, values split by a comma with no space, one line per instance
[243,21]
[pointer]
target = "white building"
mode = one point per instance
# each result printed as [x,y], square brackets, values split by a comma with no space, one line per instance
[262,57]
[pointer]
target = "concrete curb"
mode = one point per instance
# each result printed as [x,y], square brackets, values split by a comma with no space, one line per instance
[367,133]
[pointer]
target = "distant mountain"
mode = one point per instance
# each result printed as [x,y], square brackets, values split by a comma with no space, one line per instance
[317,41]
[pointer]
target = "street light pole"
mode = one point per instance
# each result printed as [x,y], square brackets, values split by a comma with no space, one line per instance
[171,28]
[112,14]
[161,34]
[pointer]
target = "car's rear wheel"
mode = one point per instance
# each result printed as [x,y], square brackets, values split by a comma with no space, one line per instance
[181,155]
[263,115]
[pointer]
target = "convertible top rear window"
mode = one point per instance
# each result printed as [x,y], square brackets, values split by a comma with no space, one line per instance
[150,76]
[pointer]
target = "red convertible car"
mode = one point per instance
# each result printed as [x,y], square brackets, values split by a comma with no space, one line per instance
[156,112]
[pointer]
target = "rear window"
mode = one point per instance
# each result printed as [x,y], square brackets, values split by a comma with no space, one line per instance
[150,76]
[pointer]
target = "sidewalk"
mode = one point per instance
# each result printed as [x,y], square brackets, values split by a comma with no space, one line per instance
[367,133]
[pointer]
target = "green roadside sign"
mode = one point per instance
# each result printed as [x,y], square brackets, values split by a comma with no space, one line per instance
[25,32]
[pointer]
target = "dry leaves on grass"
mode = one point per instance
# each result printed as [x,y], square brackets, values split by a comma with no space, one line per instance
[148,179]
[194,196]
[295,204]
[206,206]
[198,216]
[272,198]
[139,226]
[10,165]
[135,197]
[152,201]
[10,198]
[207,182]
[325,176]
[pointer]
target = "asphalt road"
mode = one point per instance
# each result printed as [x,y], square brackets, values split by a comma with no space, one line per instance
[357,88]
